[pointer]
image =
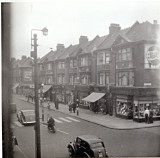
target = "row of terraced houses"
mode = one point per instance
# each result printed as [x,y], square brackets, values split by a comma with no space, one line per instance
[123,65]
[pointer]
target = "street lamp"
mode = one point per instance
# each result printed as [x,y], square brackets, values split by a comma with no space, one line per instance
[42,97]
[37,125]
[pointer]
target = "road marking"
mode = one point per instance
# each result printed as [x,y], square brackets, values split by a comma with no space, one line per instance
[18,124]
[64,119]
[62,131]
[73,119]
[58,121]
[21,151]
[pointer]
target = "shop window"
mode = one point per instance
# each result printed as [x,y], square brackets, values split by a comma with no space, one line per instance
[124,108]
[155,107]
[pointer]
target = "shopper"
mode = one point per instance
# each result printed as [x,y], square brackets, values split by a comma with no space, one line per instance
[146,115]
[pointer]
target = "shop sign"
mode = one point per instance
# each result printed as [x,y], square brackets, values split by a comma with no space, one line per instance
[152,57]
[27,76]
[147,84]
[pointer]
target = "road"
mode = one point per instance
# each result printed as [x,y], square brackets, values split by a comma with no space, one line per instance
[137,142]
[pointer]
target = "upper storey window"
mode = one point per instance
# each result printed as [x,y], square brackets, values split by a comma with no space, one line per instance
[73,63]
[61,65]
[84,61]
[40,67]
[49,66]
[103,58]
[124,54]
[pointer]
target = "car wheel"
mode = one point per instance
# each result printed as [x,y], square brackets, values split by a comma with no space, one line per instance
[70,151]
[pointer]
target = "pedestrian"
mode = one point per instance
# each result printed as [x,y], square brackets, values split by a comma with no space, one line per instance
[150,116]
[77,107]
[49,105]
[74,107]
[56,103]
[146,115]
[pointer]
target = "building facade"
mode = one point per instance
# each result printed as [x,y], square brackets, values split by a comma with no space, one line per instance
[125,65]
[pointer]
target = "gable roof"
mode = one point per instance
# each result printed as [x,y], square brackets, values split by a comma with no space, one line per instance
[143,31]
[93,45]
[110,39]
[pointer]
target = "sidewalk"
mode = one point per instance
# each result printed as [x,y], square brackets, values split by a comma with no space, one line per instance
[111,122]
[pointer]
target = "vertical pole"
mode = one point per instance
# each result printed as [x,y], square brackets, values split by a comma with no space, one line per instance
[37,127]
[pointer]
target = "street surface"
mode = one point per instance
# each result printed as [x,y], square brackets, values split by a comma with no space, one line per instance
[136,142]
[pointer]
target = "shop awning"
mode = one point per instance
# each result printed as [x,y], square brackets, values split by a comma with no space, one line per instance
[46,88]
[15,86]
[94,96]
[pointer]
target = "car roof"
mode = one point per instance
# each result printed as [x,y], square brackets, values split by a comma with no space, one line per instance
[90,138]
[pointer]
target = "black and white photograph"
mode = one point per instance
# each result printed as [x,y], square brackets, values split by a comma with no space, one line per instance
[80,78]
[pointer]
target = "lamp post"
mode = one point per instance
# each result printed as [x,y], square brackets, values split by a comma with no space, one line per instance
[37,125]
[42,97]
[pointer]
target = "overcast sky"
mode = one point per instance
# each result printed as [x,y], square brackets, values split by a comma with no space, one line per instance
[68,20]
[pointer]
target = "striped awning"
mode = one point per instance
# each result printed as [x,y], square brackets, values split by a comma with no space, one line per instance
[46,88]
[93,97]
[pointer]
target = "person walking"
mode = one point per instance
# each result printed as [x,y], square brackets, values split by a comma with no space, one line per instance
[146,115]
[150,116]
[77,107]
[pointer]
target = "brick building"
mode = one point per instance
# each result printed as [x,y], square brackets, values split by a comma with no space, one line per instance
[124,65]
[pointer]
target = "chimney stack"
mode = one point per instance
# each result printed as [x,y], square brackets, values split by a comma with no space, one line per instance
[23,57]
[83,39]
[60,47]
[155,22]
[114,28]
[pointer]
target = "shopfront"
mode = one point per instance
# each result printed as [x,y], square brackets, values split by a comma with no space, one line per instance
[124,106]
[59,93]
[131,102]
[141,103]
[93,100]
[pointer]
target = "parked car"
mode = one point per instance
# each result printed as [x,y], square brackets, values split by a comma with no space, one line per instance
[26,117]
[87,146]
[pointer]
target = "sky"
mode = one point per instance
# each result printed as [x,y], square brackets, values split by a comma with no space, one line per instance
[67,20]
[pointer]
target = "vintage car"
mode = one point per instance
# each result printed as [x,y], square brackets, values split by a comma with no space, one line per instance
[87,146]
[26,117]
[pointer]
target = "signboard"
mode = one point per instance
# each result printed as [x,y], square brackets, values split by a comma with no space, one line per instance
[152,57]
[27,76]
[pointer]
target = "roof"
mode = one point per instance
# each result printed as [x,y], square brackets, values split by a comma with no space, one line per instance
[90,138]
[143,31]
[110,38]
[93,45]
[93,97]
[47,56]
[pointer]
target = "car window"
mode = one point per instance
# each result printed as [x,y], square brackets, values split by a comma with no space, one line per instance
[96,145]
[85,144]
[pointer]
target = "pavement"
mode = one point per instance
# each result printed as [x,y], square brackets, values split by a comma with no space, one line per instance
[108,121]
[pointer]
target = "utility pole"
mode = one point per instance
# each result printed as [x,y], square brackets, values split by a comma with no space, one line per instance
[37,126]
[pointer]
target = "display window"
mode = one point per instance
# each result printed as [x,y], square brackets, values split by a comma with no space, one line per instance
[124,108]
[140,108]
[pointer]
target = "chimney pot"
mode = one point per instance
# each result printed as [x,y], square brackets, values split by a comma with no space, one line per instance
[114,28]
[83,39]
[60,47]
[155,22]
